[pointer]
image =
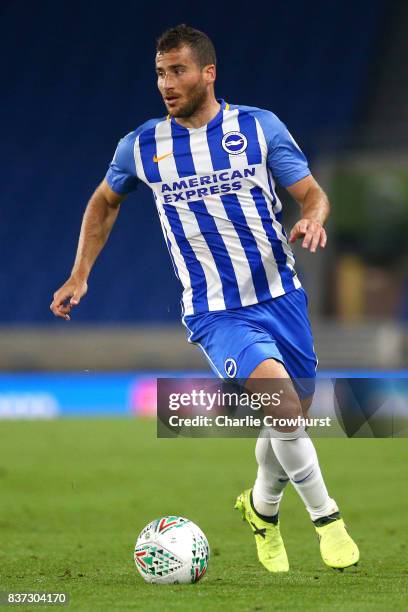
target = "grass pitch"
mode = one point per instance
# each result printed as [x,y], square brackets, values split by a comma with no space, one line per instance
[74,495]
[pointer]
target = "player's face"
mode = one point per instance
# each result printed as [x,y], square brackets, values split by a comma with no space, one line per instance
[183,84]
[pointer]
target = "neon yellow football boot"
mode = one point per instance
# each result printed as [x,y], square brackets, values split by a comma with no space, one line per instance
[268,539]
[337,548]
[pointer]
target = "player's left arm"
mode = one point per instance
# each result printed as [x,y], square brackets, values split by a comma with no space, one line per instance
[289,166]
[315,209]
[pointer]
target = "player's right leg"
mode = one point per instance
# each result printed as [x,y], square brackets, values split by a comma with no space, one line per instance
[260,506]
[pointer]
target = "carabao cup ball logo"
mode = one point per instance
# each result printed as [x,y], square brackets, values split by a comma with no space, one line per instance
[234,143]
[230,367]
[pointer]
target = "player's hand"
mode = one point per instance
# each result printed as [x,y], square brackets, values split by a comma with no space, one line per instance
[68,296]
[313,234]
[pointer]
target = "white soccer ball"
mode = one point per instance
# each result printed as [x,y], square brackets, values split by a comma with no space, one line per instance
[172,550]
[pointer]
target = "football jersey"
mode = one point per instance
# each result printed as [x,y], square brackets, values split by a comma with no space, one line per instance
[214,190]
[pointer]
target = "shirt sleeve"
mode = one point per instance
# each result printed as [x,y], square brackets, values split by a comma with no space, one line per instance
[121,176]
[286,160]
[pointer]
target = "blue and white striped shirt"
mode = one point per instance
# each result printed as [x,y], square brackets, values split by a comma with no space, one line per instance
[214,189]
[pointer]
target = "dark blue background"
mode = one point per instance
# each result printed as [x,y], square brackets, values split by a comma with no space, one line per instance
[79,75]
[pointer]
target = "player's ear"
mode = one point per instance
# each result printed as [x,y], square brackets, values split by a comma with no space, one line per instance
[209,73]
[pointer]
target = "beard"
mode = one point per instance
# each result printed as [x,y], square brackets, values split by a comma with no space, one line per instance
[197,98]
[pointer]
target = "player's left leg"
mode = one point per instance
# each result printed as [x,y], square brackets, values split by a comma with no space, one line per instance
[291,445]
[296,453]
[271,479]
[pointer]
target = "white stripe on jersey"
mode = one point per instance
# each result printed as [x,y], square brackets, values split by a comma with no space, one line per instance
[168,168]
[290,260]
[230,124]
[251,213]
[277,207]
[138,161]
[264,246]
[191,228]
[167,165]
[202,159]
[179,262]
[181,268]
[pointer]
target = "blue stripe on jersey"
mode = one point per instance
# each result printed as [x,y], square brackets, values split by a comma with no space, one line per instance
[219,157]
[182,151]
[148,149]
[194,267]
[279,254]
[219,252]
[247,126]
[248,242]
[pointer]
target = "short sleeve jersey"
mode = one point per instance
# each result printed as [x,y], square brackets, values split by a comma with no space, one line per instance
[214,190]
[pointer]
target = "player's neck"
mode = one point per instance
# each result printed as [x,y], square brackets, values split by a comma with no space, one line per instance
[202,116]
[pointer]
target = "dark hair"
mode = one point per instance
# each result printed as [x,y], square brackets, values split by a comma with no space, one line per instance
[198,42]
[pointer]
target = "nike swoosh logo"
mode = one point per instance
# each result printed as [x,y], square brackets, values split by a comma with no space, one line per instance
[157,159]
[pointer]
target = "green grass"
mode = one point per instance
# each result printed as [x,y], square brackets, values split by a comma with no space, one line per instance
[74,495]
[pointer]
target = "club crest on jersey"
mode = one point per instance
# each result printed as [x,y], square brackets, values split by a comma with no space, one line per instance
[230,366]
[234,143]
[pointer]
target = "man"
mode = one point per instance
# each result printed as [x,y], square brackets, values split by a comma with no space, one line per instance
[212,168]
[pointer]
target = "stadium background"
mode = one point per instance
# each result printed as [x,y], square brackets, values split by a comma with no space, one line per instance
[75,491]
[78,76]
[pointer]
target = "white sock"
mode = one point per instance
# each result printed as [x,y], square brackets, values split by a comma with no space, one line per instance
[270,481]
[299,459]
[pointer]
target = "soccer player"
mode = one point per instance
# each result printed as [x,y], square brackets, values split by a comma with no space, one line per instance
[212,167]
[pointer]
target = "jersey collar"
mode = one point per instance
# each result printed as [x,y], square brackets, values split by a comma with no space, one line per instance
[214,121]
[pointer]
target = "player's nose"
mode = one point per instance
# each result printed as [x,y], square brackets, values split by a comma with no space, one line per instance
[168,83]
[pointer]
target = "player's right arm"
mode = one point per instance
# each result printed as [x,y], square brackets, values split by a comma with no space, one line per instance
[100,215]
[99,218]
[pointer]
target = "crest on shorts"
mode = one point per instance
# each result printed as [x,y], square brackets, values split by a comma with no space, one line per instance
[230,367]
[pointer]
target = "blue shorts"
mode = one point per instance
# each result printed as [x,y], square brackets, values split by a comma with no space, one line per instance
[235,341]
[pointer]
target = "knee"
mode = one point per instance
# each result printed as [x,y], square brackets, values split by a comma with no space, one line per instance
[279,401]
[286,415]
[306,402]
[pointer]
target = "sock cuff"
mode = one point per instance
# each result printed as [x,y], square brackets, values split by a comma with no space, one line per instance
[268,519]
[289,435]
[325,520]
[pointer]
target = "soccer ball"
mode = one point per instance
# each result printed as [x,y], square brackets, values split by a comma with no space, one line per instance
[172,550]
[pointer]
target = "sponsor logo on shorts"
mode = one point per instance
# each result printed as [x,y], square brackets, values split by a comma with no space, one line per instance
[230,366]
